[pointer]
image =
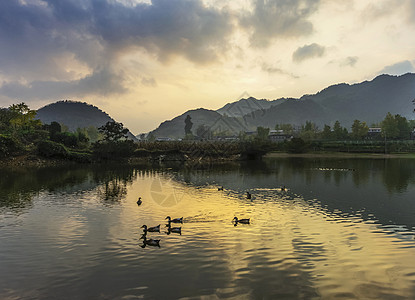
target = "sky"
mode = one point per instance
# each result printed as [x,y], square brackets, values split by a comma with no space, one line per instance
[144,62]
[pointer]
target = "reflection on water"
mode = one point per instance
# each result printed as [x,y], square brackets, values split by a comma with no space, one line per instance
[342,229]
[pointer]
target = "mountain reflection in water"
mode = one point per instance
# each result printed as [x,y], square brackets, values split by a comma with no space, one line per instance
[343,228]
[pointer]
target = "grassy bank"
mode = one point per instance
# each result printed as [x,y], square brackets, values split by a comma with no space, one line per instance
[322,154]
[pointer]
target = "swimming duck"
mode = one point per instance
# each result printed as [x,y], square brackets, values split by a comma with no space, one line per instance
[248,195]
[150,242]
[139,201]
[243,221]
[283,188]
[173,229]
[220,188]
[177,220]
[151,229]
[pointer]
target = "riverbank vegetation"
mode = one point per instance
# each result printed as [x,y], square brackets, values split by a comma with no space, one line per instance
[22,134]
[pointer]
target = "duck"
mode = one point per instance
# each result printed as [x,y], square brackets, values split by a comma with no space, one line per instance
[150,242]
[177,220]
[248,195]
[173,229]
[220,188]
[243,221]
[151,229]
[283,188]
[139,201]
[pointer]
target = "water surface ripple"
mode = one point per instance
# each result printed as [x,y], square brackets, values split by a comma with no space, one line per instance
[340,230]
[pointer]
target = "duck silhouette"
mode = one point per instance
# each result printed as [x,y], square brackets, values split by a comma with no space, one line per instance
[151,229]
[139,201]
[176,220]
[248,195]
[220,188]
[150,242]
[173,229]
[242,221]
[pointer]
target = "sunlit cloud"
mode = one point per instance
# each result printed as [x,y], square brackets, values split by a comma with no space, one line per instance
[183,54]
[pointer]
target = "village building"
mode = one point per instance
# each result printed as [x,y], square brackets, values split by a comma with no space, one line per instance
[278,136]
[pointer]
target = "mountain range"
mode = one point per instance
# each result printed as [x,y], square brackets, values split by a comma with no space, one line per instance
[368,101]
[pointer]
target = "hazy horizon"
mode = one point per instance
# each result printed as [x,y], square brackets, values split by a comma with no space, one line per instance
[132,58]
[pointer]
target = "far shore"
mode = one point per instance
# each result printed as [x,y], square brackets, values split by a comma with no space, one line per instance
[29,160]
[339,155]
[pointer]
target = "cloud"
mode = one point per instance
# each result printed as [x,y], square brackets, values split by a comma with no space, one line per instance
[308,51]
[349,61]
[275,70]
[379,9]
[101,82]
[399,68]
[412,10]
[149,81]
[272,19]
[60,44]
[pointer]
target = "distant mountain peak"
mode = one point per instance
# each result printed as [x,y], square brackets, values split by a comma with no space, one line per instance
[367,101]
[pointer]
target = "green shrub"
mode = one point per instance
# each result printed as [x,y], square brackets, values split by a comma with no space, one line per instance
[114,149]
[9,145]
[81,157]
[67,138]
[52,149]
[35,136]
[297,145]
[142,153]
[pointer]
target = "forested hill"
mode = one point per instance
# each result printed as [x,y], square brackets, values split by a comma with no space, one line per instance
[74,115]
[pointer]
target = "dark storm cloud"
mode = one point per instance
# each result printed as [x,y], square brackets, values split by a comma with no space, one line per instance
[272,19]
[101,82]
[308,51]
[35,36]
[167,27]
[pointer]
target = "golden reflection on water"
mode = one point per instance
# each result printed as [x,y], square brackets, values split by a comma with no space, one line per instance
[347,257]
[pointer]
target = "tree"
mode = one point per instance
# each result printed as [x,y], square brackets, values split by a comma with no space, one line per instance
[93,134]
[54,128]
[6,115]
[359,130]
[262,133]
[188,125]
[23,117]
[287,128]
[113,131]
[203,132]
[297,145]
[326,134]
[390,127]
[403,127]
[309,131]
[339,133]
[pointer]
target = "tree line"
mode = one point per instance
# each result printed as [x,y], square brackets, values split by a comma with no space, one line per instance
[393,127]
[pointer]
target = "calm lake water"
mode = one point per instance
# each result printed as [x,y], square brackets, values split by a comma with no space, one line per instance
[343,229]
